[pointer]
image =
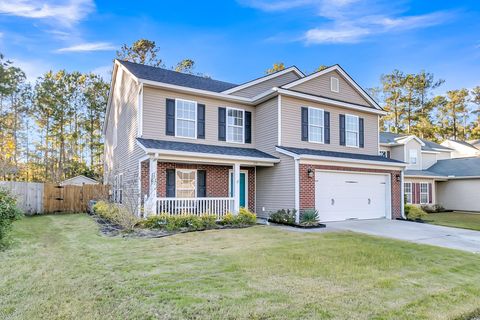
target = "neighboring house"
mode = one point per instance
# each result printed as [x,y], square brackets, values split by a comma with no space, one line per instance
[461,149]
[475,143]
[178,143]
[432,176]
[78,181]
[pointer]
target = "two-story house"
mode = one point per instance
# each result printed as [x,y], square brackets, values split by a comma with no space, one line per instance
[435,173]
[177,143]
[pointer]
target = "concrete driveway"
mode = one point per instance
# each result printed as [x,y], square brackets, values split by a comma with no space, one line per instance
[454,238]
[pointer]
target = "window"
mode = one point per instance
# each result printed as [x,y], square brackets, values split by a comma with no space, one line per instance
[424,194]
[383,153]
[118,188]
[334,84]
[413,156]
[235,125]
[408,192]
[351,130]
[315,125]
[185,183]
[185,118]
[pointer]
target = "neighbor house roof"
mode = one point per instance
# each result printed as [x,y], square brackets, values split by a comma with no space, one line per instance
[203,148]
[393,138]
[465,143]
[334,154]
[176,78]
[459,167]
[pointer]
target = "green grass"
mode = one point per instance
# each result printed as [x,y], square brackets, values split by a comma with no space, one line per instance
[59,267]
[455,219]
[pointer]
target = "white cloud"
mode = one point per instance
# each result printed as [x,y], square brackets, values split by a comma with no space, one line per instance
[33,68]
[351,21]
[65,12]
[85,47]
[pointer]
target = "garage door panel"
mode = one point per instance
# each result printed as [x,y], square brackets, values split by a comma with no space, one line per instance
[343,195]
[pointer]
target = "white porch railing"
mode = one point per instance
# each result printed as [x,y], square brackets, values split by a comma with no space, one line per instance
[196,206]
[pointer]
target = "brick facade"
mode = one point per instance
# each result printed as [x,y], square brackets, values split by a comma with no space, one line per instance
[307,186]
[144,179]
[217,179]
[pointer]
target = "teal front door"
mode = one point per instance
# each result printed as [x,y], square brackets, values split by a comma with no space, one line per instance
[243,193]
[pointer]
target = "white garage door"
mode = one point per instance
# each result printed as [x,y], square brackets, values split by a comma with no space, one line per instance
[342,195]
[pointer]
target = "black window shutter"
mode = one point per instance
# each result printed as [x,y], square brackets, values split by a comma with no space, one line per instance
[388,154]
[342,129]
[170,183]
[222,124]
[248,127]
[201,183]
[361,133]
[326,126]
[304,124]
[200,121]
[170,125]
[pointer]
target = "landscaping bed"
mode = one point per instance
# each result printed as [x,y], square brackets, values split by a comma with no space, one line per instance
[308,219]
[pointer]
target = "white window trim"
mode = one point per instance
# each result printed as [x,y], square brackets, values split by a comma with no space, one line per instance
[177,118]
[195,184]
[332,86]
[408,193]
[410,151]
[317,126]
[118,188]
[357,132]
[230,172]
[227,125]
[424,193]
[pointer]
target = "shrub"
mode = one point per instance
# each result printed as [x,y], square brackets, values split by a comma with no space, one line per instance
[428,208]
[209,221]
[246,218]
[8,213]
[175,223]
[229,218]
[309,217]
[414,212]
[284,216]
[117,214]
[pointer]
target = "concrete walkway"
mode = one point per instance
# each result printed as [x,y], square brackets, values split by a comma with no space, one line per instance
[454,238]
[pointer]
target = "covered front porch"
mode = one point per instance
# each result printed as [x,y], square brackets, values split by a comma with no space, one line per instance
[198,184]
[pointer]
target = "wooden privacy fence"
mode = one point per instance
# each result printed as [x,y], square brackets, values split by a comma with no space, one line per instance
[58,198]
[38,198]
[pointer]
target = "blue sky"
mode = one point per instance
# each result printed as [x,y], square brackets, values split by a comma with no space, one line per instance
[238,40]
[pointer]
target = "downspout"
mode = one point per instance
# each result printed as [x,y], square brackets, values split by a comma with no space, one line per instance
[402,192]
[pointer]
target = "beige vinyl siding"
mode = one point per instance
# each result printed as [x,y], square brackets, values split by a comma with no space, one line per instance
[425,180]
[398,153]
[261,87]
[428,160]
[291,127]
[154,117]
[459,195]
[321,86]
[442,155]
[124,158]
[413,145]
[275,185]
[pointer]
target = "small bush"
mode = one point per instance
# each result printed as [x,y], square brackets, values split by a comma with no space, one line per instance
[209,221]
[8,213]
[428,208]
[246,218]
[284,216]
[228,219]
[414,212]
[309,217]
[117,214]
[175,223]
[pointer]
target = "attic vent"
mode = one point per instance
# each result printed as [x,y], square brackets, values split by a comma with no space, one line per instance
[334,84]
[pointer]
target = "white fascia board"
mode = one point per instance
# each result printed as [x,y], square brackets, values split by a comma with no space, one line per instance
[328,101]
[160,152]
[197,91]
[428,151]
[426,177]
[265,78]
[110,93]
[462,177]
[345,76]
[338,159]
[405,140]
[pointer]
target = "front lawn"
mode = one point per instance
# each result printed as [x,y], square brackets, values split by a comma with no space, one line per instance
[455,219]
[61,268]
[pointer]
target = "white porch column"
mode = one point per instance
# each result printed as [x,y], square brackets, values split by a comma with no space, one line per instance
[236,188]
[152,194]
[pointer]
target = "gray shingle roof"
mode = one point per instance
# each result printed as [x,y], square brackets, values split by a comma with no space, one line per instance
[176,78]
[203,148]
[460,167]
[389,137]
[423,173]
[325,153]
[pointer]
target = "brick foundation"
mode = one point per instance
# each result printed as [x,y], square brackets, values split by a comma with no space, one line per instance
[307,186]
[217,179]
